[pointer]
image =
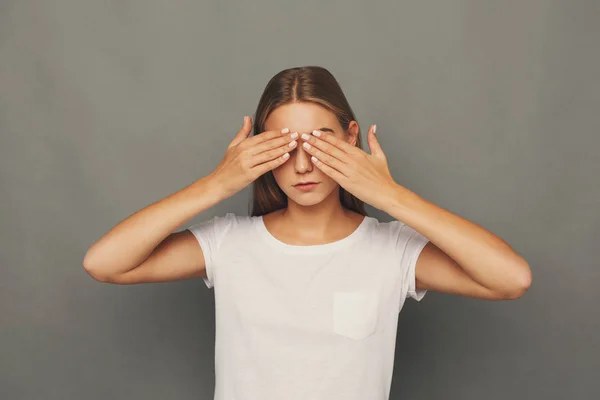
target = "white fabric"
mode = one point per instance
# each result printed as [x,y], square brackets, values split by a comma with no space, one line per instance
[307,322]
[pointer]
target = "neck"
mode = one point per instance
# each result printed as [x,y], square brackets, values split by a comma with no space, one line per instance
[316,219]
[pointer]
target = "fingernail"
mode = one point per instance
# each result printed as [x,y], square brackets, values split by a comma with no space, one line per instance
[305,136]
[294,135]
[285,130]
[375,128]
[316,133]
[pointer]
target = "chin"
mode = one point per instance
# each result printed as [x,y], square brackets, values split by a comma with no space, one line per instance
[307,199]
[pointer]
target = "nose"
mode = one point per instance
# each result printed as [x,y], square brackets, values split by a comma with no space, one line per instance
[302,162]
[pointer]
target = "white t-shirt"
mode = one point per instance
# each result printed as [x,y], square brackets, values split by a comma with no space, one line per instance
[306,322]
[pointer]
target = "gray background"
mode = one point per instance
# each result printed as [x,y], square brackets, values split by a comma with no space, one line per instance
[488,109]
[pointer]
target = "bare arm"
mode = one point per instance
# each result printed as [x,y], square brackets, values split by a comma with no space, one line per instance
[143,247]
[462,258]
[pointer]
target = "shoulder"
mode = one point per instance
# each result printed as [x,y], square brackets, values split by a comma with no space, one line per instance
[221,224]
[395,232]
[377,227]
[393,227]
[225,218]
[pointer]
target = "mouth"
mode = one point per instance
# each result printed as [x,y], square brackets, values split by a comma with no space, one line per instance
[306,185]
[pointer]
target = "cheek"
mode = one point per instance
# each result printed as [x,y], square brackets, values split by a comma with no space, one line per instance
[280,173]
[329,182]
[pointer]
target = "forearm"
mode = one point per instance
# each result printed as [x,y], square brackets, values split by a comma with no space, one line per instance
[487,258]
[131,241]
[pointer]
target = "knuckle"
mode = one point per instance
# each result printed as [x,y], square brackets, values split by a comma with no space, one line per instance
[245,164]
[270,154]
[282,150]
[271,135]
[245,153]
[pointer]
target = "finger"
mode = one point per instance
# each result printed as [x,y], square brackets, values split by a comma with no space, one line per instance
[325,157]
[243,132]
[278,141]
[331,172]
[374,145]
[274,153]
[326,147]
[339,143]
[265,136]
[269,165]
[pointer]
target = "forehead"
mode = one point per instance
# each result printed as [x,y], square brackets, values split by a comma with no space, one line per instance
[302,117]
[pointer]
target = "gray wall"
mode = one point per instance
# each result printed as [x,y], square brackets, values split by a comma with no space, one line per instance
[488,109]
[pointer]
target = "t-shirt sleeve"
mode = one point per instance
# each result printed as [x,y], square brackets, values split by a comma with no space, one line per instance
[409,244]
[209,234]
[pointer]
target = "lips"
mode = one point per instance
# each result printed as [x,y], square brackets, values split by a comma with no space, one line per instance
[306,186]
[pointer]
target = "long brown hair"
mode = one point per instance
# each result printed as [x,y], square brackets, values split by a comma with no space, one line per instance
[312,84]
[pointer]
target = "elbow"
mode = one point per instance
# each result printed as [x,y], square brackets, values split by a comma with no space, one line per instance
[521,284]
[95,271]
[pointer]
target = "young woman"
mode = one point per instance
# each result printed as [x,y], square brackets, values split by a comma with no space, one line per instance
[308,287]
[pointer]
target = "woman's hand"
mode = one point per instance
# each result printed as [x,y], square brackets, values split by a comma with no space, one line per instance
[248,158]
[366,176]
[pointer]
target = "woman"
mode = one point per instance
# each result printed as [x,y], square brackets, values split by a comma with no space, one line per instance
[308,287]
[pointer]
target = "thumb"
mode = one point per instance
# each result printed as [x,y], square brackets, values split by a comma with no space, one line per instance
[374,145]
[243,132]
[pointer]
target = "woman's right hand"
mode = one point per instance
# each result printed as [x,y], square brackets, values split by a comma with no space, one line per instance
[246,158]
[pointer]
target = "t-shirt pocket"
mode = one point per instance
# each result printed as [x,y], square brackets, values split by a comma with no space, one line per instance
[355,313]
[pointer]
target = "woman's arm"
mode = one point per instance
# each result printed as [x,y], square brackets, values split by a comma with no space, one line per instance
[133,240]
[463,258]
[142,248]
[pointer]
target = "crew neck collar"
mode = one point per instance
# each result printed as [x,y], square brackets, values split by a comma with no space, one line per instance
[309,249]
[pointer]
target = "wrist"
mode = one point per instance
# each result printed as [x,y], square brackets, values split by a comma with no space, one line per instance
[400,200]
[208,188]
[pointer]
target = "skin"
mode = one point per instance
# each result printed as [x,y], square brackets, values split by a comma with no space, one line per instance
[309,217]
[461,258]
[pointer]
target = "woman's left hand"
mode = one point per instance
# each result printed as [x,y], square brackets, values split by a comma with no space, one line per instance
[366,176]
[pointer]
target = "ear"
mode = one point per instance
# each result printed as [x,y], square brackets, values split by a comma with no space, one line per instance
[352,133]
